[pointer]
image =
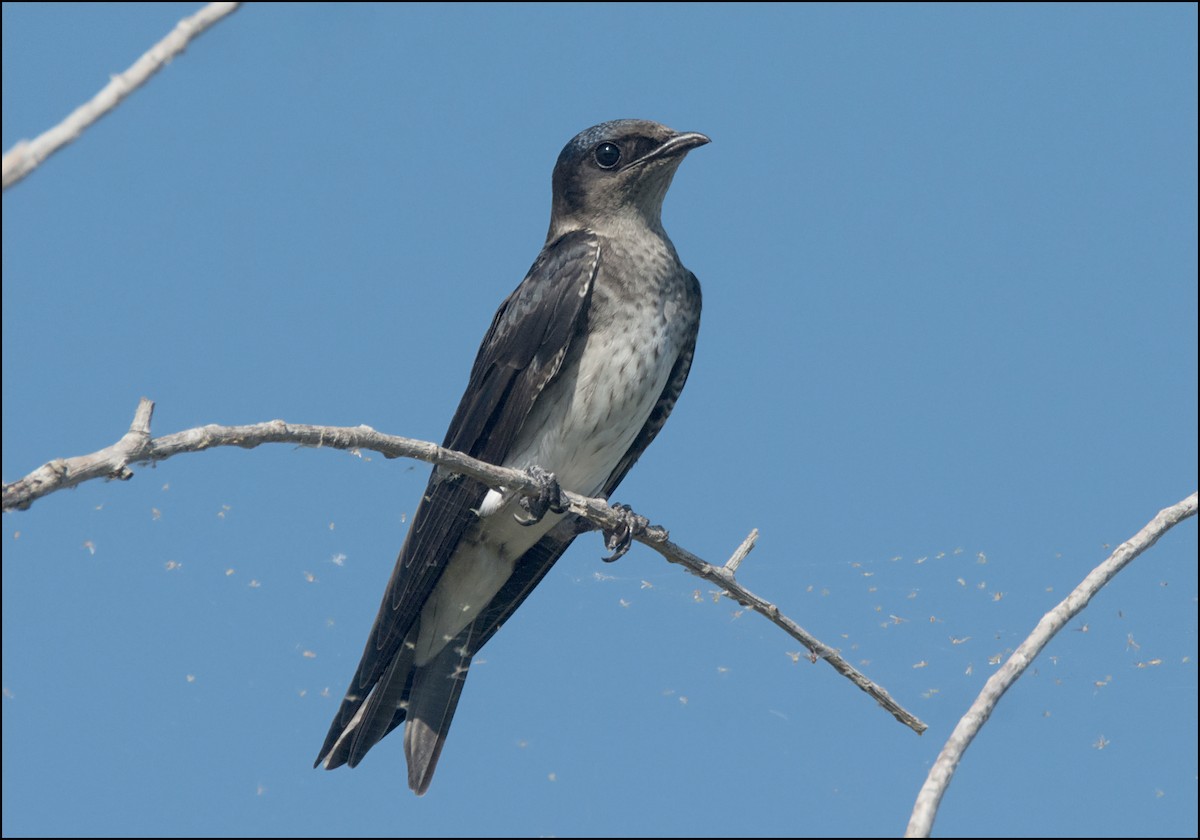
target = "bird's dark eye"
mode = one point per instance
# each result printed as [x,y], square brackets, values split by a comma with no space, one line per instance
[608,155]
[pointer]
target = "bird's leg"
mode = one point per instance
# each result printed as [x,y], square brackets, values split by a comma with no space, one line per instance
[619,539]
[549,497]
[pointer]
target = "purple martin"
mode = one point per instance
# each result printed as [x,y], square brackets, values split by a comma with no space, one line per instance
[577,374]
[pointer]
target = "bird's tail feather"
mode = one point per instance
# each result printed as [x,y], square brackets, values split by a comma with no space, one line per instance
[384,709]
[436,687]
[368,713]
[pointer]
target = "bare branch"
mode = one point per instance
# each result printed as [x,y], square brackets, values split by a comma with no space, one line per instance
[925,809]
[27,155]
[137,446]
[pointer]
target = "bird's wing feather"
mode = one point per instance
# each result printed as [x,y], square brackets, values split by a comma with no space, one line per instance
[525,346]
[520,355]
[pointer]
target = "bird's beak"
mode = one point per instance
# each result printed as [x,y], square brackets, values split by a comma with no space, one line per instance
[676,146]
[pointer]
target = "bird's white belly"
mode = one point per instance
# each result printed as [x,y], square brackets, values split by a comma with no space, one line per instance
[480,566]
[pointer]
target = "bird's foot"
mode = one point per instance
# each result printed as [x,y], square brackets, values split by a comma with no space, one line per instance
[549,497]
[619,539]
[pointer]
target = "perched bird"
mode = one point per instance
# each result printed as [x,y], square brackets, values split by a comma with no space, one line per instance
[576,375]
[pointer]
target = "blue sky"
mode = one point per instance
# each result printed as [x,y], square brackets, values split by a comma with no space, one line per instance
[947,363]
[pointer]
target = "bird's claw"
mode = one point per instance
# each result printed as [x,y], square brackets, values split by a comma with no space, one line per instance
[619,539]
[549,498]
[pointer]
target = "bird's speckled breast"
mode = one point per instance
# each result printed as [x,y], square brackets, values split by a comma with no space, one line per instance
[638,322]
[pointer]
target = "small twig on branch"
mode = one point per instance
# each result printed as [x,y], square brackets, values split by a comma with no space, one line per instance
[925,809]
[742,550]
[27,155]
[137,446]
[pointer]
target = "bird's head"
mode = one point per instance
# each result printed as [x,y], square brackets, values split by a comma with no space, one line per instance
[615,173]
